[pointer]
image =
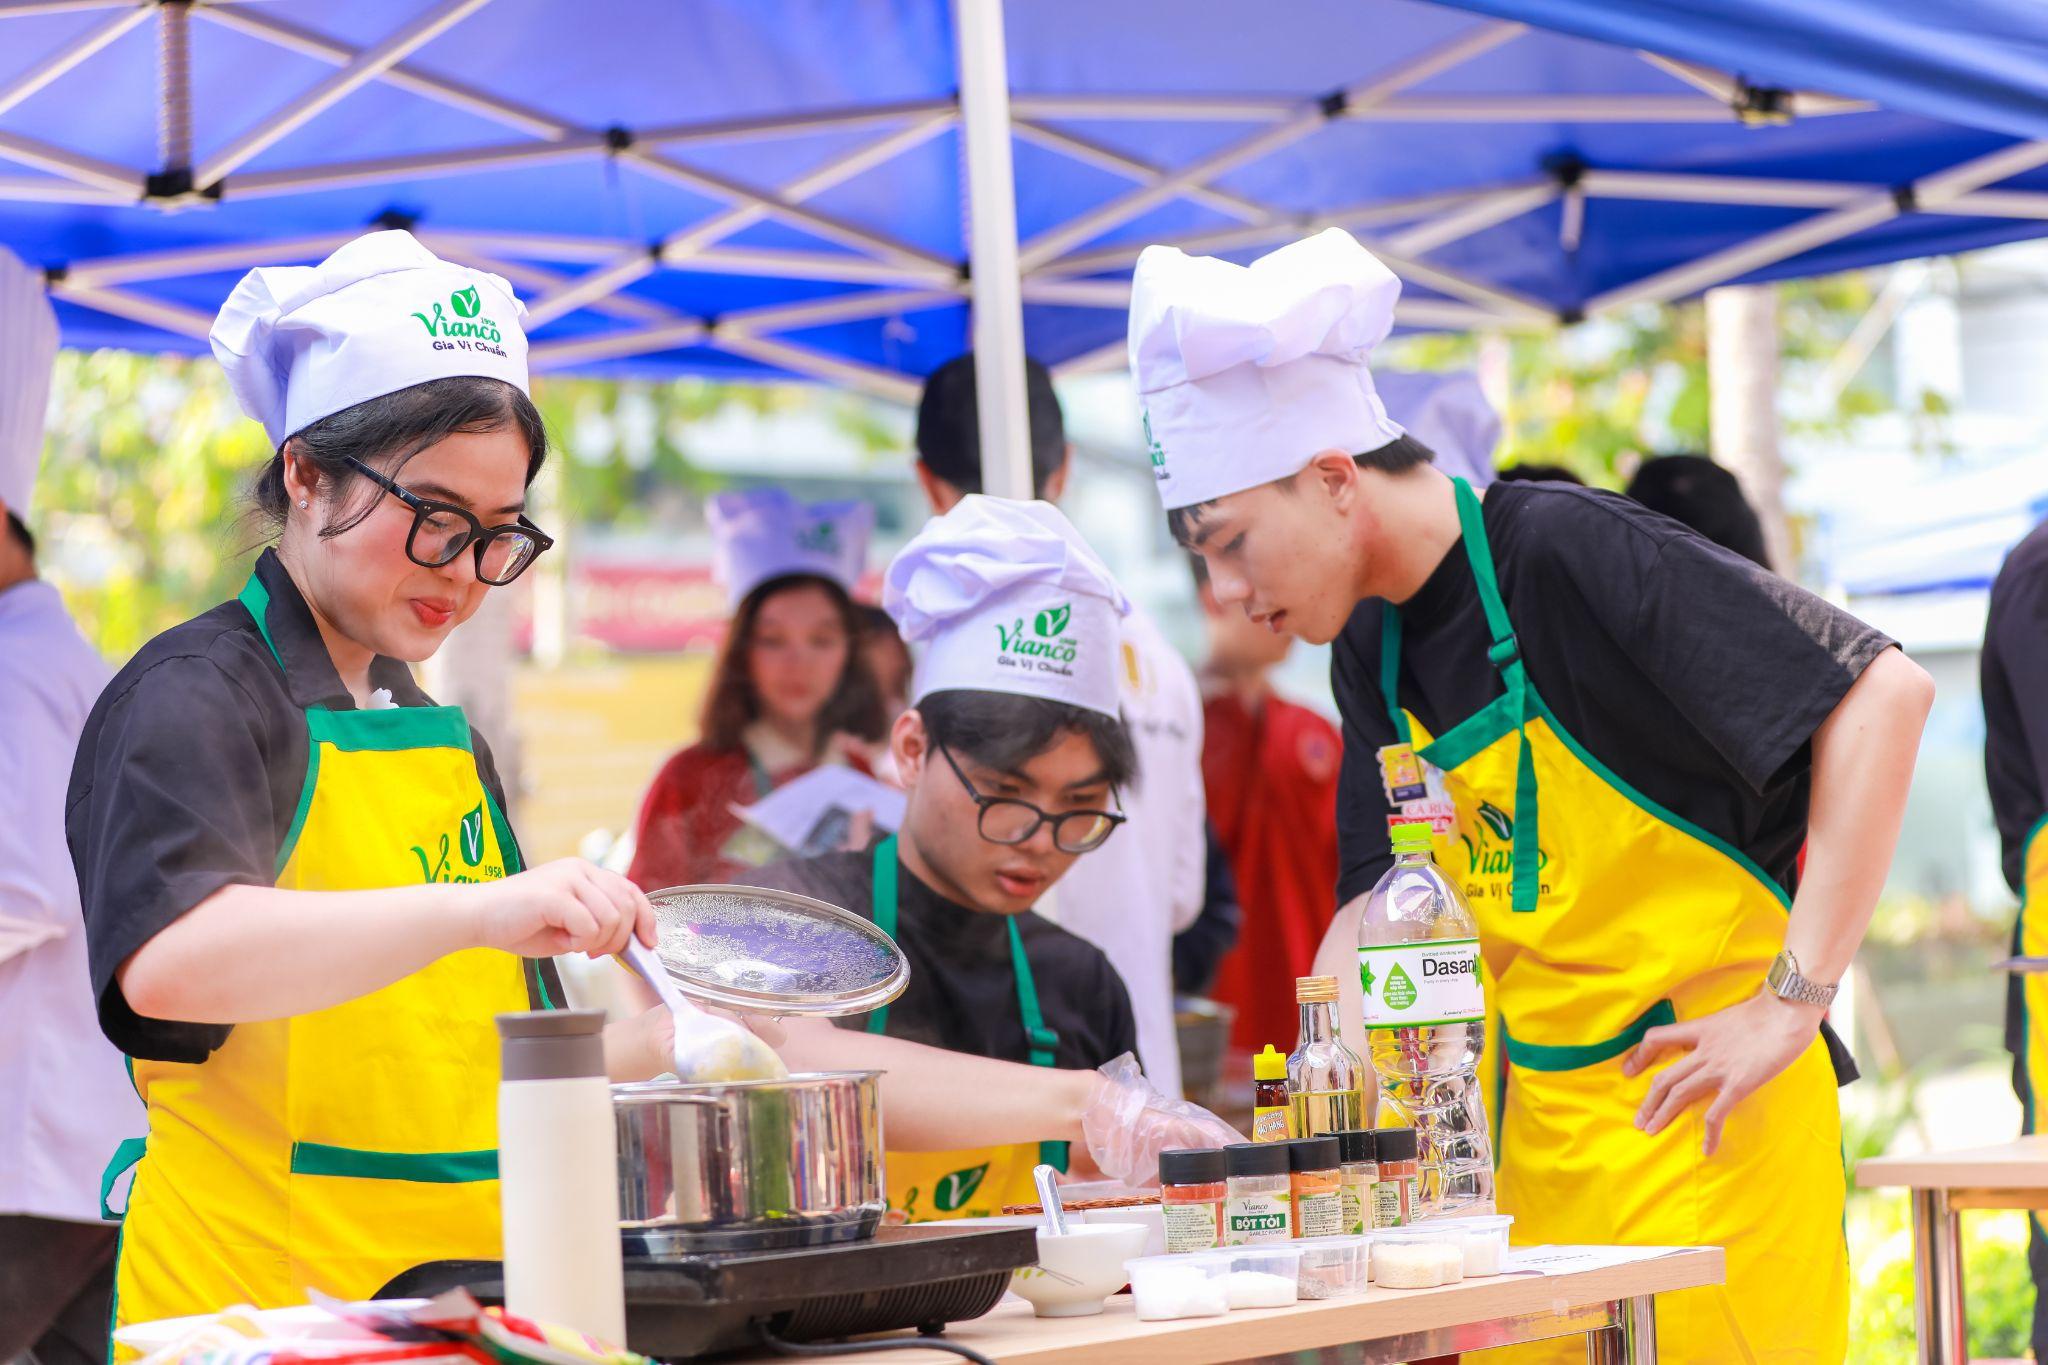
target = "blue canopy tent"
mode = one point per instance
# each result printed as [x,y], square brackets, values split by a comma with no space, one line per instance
[782,187]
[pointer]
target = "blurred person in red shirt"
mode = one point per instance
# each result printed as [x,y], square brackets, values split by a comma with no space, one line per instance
[791,689]
[1270,766]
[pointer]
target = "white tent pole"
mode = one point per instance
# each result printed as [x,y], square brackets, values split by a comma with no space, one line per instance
[365,68]
[992,243]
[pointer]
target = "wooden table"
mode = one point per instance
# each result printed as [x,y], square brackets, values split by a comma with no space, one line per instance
[2012,1175]
[1614,1307]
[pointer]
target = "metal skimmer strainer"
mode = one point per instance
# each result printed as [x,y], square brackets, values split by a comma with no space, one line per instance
[774,952]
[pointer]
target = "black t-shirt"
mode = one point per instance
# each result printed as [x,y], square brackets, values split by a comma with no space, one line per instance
[188,773]
[1692,673]
[962,994]
[2015,686]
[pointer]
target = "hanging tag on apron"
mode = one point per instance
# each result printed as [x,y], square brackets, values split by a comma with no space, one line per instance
[1401,774]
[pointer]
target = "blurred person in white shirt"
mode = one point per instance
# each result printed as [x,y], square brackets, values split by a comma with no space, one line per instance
[68,1103]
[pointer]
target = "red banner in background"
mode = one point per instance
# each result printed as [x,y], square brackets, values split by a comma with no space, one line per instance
[646,605]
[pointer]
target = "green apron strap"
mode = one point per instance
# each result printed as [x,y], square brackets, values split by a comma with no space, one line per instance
[884,897]
[1390,670]
[1042,1040]
[126,1157]
[1506,656]
[256,598]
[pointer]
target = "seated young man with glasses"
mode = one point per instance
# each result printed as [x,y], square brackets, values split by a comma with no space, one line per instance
[1012,755]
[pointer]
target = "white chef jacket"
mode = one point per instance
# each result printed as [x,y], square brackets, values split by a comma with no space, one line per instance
[1132,895]
[68,1102]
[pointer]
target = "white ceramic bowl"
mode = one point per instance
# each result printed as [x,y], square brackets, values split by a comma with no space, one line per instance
[1076,1272]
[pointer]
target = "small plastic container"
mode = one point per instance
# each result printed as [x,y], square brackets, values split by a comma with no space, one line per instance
[1421,1257]
[1258,1276]
[1183,1285]
[1483,1238]
[1334,1267]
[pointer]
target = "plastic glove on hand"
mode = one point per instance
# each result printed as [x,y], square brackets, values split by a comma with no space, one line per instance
[1128,1123]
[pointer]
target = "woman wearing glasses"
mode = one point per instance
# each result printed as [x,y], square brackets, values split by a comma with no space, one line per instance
[1012,754]
[303,902]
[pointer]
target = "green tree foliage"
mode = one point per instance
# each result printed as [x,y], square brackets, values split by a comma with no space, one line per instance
[139,505]
[1596,396]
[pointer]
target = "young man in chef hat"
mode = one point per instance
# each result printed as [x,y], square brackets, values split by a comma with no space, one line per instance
[1147,885]
[68,1101]
[1014,758]
[1637,730]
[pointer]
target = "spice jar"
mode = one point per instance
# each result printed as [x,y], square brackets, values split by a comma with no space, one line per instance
[1256,1204]
[1317,1186]
[1394,1203]
[1358,1157]
[1192,1185]
[1270,1106]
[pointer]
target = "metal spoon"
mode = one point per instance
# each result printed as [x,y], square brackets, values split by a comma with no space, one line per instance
[1047,1180]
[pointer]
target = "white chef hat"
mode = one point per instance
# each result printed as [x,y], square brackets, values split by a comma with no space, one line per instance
[1245,373]
[383,313]
[764,533]
[1448,412]
[28,348]
[1005,596]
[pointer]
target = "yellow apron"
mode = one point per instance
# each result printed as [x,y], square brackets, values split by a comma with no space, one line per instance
[334,1150]
[971,1182]
[1611,916]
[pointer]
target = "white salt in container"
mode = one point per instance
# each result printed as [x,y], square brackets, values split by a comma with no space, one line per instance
[1184,1286]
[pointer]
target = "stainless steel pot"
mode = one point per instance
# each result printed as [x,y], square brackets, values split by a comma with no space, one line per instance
[749,1165]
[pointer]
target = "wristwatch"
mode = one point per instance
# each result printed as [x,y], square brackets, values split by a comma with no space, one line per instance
[1787,983]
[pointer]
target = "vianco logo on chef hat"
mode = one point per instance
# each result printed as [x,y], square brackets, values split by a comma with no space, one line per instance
[1005,596]
[381,314]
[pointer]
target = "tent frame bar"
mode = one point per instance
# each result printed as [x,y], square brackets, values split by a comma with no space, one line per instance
[1307,118]
[366,67]
[1058,267]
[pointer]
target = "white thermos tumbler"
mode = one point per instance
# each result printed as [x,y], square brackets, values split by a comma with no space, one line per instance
[558,1174]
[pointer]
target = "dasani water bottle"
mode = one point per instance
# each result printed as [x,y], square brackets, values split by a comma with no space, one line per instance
[1425,1017]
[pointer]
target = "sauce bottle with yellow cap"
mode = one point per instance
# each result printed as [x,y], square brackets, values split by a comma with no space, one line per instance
[1269,1097]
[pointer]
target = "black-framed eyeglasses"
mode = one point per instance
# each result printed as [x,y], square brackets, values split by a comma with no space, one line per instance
[441,531]
[1007,820]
